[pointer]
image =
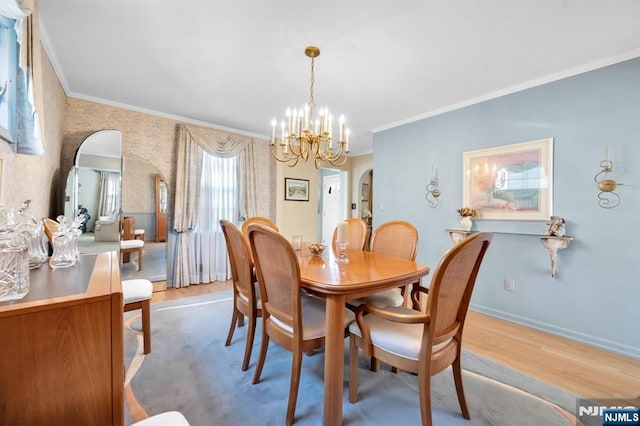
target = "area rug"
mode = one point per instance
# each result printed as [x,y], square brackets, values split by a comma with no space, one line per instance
[191,371]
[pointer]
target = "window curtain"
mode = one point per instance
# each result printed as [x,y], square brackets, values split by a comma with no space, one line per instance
[108,193]
[218,200]
[28,136]
[193,142]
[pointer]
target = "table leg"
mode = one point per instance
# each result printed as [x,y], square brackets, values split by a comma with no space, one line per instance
[334,360]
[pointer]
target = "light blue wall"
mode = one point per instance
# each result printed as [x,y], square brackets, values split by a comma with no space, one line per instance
[595,296]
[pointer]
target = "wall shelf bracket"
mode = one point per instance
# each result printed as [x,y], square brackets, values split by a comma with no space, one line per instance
[553,244]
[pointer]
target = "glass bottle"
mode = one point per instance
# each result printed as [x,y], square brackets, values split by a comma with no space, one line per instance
[33,231]
[63,243]
[14,258]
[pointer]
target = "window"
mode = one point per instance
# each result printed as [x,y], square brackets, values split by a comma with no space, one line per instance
[8,69]
[218,200]
[218,191]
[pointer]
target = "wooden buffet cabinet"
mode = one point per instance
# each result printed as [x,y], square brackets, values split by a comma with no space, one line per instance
[62,356]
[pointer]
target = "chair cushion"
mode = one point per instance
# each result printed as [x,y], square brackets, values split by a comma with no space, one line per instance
[131,244]
[313,318]
[385,299]
[258,300]
[138,232]
[169,418]
[136,290]
[397,338]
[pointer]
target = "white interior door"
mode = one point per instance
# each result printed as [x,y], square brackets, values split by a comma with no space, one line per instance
[330,206]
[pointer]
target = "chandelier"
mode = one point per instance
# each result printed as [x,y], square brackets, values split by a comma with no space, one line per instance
[302,134]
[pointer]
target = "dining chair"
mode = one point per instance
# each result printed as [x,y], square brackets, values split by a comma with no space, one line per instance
[167,418]
[357,233]
[395,238]
[258,219]
[246,297]
[50,228]
[292,318]
[136,294]
[423,342]
[129,243]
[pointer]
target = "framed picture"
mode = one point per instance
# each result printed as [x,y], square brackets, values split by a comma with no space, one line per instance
[365,192]
[296,189]
[510,182]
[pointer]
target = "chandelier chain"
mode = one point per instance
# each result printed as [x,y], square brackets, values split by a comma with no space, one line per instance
[312,105]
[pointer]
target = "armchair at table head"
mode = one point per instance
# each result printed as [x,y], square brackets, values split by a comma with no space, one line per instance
[424,343]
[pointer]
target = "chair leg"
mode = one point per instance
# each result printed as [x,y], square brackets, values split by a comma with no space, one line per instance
[353,369]
[263,354]
[126,257]
[251,331]
[457,378]
[232,327]
[424,386]
[296,366]
[375,365]
[146,325]
[140,259]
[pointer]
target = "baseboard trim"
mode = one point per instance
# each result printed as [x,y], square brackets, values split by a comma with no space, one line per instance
[159,286]
[605,344]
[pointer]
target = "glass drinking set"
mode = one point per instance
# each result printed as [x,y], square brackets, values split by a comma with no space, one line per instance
[22,247]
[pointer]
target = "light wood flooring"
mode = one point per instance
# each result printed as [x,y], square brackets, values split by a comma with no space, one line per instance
[583,370]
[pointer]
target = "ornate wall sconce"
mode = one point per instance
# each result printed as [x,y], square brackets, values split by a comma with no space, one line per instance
[607,197]
[432,190]
[5,86]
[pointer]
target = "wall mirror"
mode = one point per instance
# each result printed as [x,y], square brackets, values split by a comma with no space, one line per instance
[144,201]
[93,188]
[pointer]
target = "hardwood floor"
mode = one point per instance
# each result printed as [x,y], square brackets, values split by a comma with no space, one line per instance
[578,368]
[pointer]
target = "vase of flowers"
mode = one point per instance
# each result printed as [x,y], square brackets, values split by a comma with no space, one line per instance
[466,213]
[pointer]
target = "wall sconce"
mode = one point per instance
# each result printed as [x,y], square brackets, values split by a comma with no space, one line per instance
[5,86]
[432,190]
[607,197]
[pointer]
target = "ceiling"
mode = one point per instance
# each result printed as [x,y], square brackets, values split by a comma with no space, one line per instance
[236,64]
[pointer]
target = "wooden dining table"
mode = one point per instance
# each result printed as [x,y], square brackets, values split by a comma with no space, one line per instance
[365,274]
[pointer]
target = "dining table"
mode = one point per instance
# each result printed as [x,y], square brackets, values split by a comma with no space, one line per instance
[365,273]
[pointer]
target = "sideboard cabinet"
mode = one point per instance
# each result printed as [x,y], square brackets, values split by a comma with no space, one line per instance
[62,356]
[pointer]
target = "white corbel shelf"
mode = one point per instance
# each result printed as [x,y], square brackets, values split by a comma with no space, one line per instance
[458,234]
[553,244]
[550,242]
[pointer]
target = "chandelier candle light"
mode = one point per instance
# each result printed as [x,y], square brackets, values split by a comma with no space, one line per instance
[301,133]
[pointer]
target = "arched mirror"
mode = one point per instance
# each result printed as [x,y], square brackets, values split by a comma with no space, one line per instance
[93,188]
[145,204]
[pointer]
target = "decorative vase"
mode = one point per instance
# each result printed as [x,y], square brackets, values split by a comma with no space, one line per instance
[465,223]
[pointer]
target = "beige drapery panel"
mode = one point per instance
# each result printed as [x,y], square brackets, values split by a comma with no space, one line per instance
[193,141]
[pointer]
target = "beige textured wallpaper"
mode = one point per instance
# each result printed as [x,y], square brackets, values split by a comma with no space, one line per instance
[37,177]
[152,138]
